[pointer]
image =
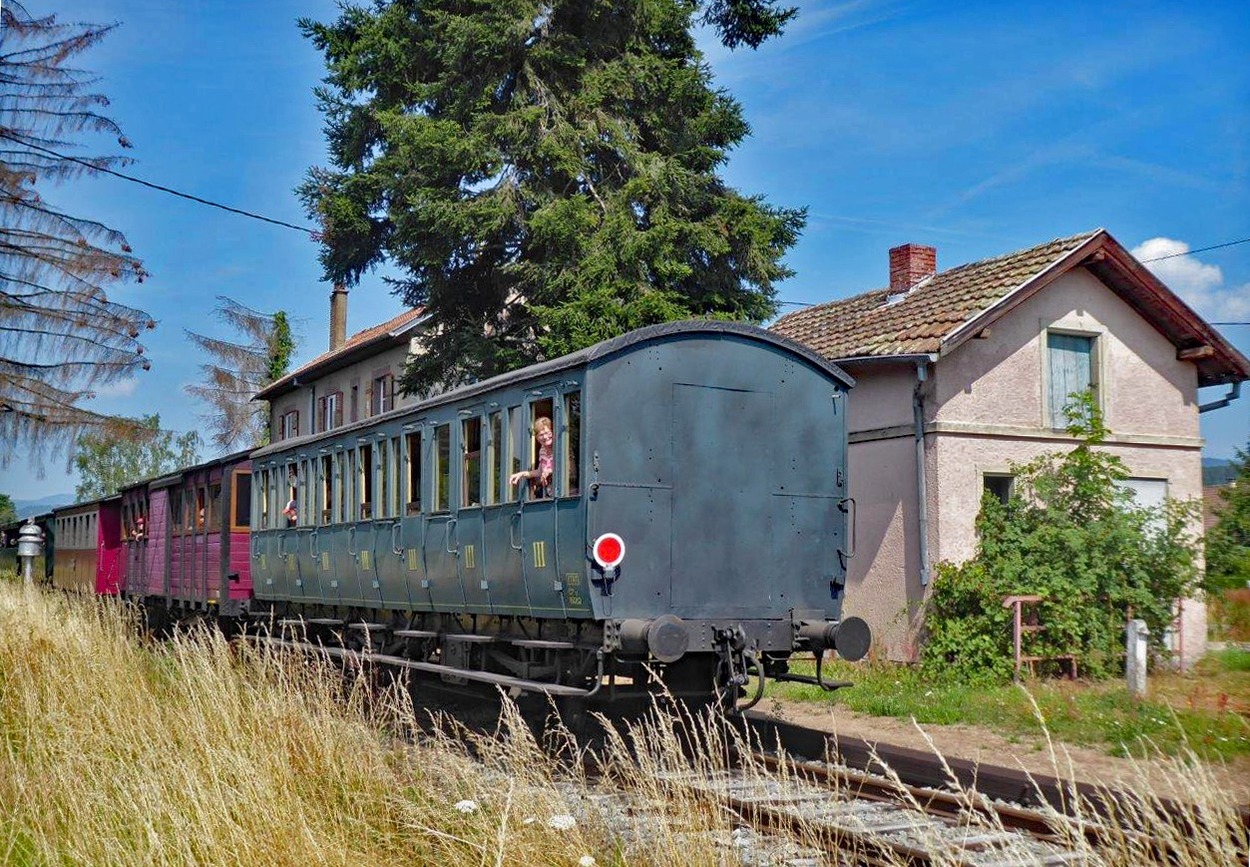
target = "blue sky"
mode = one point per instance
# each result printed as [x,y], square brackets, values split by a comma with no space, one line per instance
[978,128]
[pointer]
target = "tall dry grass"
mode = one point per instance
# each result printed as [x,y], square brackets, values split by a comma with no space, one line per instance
[199,751]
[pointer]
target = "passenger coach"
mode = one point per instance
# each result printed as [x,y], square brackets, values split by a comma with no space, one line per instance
[696,517]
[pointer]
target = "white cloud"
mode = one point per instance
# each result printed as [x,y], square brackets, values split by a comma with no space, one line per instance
[120,388]
[1201,285]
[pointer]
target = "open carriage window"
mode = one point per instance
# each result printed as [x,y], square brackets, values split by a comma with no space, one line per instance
[494,458]
[412,459]
[384,478]
[471,474]
[542,458]
[214,507]
[442,469]
[364,480]
[326,501]
[200,517]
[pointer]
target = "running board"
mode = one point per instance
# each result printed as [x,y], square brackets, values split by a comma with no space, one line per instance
[502,680]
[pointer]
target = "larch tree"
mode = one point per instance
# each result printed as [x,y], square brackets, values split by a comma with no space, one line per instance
[61,335]
[541,175]
[238,370]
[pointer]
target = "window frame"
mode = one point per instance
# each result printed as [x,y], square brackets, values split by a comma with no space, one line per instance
[1050,413]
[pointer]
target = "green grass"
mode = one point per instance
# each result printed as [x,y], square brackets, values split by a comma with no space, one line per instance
[1179,711]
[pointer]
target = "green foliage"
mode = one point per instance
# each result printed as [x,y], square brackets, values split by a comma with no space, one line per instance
[107,462]
[544,176]
[281,348]
[8,511]
[1174,718]
[1071,534]
[1228,542]
[1229,612]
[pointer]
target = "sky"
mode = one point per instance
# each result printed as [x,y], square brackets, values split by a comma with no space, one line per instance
[977,128]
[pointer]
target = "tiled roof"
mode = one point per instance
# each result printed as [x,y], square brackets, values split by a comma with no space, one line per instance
[353,343]
[868,325]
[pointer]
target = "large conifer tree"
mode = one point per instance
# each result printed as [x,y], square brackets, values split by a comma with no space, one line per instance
[541,175]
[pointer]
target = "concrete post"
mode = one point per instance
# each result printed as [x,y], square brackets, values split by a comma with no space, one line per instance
[1136,634]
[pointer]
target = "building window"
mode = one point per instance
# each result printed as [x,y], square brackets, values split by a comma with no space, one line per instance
[382,395]
[998,485]
[1072,371]
[289,425]
[330,411]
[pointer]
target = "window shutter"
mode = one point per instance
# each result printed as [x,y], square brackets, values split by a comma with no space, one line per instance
[1071,371]
[338,409]
[295,424]
[321,412]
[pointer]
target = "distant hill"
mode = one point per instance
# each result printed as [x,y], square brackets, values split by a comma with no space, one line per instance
[26,508]
[1218,471]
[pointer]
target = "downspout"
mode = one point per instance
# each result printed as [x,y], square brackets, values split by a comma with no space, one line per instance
[1234,392]
[922,489]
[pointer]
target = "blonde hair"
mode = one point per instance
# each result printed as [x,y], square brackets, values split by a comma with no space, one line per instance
[541,424]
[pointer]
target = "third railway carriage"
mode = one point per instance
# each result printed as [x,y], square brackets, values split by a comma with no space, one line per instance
[696,521]
[86,555]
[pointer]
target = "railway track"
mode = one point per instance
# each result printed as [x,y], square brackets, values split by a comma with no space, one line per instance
[797,796]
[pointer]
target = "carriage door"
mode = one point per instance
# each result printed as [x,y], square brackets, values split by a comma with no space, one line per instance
[470,466]
[442,579]
[370,510]
[538,536]
[722,490]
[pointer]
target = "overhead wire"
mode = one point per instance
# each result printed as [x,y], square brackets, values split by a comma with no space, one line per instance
[314,234]
[163,189]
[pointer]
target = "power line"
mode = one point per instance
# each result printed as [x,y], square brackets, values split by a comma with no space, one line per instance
[153,186]
[254,216]
[1199,250]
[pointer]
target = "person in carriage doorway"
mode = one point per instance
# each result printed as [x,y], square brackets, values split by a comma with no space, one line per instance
[540,476]
[289,512]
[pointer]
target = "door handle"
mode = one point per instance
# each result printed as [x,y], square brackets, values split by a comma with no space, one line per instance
[396,548]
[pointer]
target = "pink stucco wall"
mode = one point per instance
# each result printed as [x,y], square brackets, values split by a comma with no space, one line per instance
[986,408]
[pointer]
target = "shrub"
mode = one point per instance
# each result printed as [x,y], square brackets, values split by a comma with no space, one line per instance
[1071,534]
[1230,614]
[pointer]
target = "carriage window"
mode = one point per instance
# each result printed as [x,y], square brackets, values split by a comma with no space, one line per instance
[214,507]
[471,444]
[341,482]
[290,497]
[395,507]
[541,409]
[175,512]
[413,459]
[307,508]
[263,494]
[494,457]
[364,481]
[384,478]
[240,501]
[572,443]
[201,509]
[442,475]
[327,491]
[512,458]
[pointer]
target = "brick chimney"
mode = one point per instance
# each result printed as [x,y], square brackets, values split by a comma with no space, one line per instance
[338,316]
[909,264]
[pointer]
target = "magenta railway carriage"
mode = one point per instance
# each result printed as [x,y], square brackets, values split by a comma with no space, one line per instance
[185,538]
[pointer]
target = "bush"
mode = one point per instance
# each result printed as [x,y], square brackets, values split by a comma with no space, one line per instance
[1071,534]
[1230,614]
